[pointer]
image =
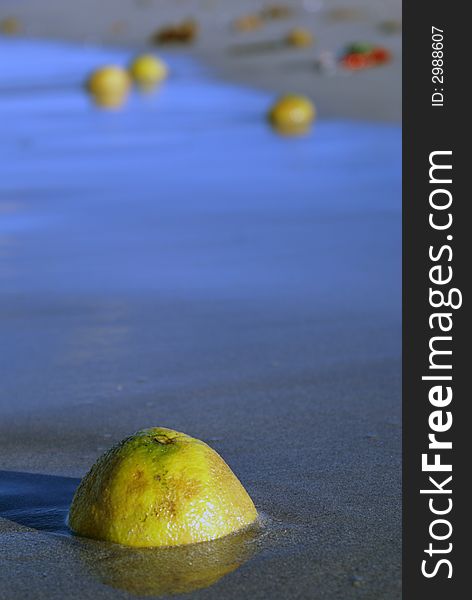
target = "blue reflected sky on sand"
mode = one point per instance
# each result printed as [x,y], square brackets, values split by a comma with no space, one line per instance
[188,189]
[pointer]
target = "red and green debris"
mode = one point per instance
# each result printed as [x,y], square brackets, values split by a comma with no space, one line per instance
[361,55]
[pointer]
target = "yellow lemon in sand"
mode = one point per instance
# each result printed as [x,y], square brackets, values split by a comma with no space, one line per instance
[300,38]
[148,70]
[109,86]
[160,487]
[292,114]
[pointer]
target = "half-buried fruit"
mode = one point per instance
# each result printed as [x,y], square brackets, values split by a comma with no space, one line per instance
[292,114]
[148,71]
[109,86]
[160,487]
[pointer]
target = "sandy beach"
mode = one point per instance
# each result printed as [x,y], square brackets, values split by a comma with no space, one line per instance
[180,264]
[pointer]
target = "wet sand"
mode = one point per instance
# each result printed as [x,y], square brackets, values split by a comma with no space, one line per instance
[255,58]
[187,267]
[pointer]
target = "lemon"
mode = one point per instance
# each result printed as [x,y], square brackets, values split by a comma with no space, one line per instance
[148,70]
[109,86]
[9,26]
[292,114]
[300,38]
[160,487]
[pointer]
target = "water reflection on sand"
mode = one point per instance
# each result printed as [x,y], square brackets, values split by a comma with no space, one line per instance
[41,502]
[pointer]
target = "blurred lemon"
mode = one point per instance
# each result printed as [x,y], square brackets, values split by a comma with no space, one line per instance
[292,114]
[160,487]
[300,38]
[148,70]
[109,86]
[9,26]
